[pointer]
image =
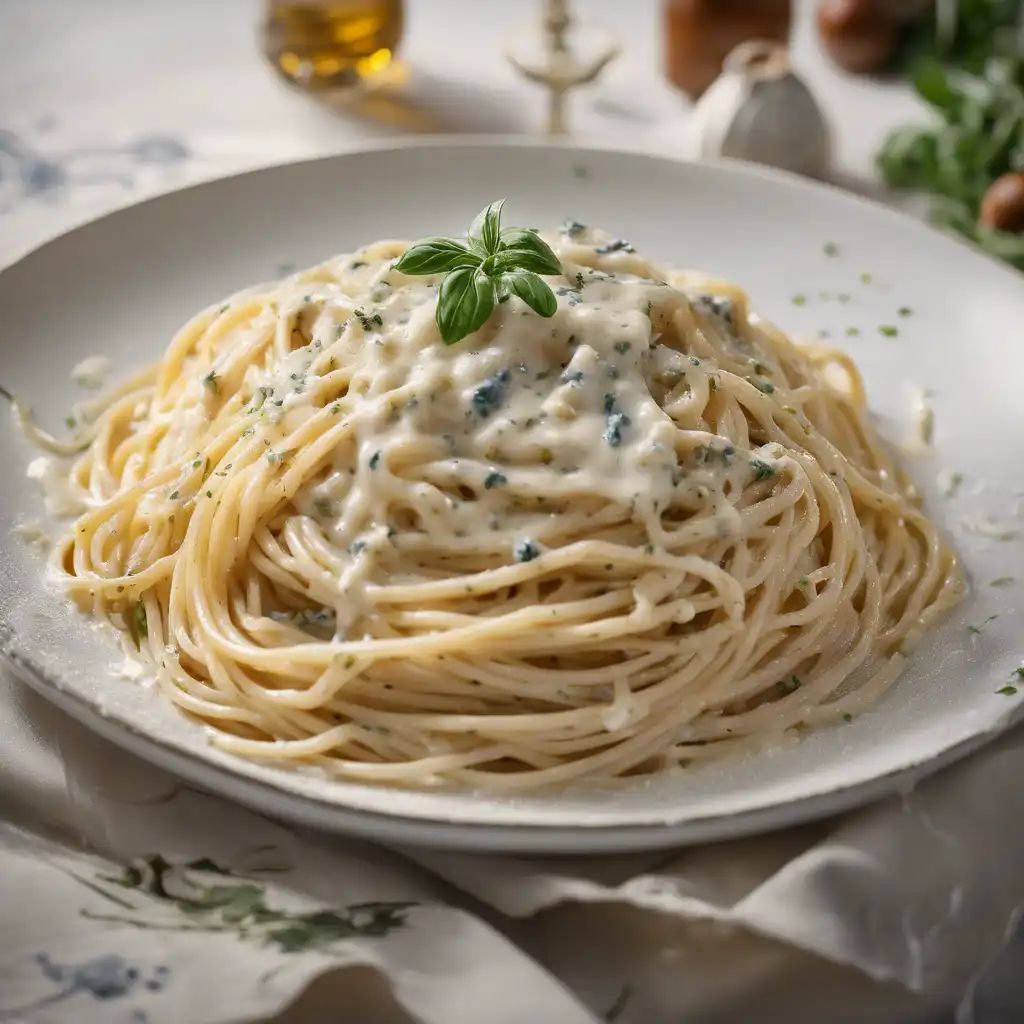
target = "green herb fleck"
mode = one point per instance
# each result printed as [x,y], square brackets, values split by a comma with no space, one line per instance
[1007,691]
[866,279]
[525,550]
[853,332]
[888,330]
[1001,581]
[211,382]
[762,470]
[375,460]
[765,386]
[138,624]
[981,625]
[847,718]
[799,300]
[495,479]
[831,249]
[905,311]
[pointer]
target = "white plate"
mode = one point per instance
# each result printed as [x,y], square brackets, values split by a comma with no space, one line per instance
[122,285]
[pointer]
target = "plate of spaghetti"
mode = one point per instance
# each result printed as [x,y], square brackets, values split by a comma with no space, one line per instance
[653,503]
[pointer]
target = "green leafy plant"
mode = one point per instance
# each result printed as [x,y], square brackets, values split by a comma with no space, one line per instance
[492,264]
[967,62]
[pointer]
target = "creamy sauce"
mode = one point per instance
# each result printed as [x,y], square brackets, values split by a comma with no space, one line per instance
[566,407]
[59,496]
[92,372]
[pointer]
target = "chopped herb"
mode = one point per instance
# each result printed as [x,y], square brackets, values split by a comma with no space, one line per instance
[804,581]
[357,264]
[209,494]
[307,298]
[525,551]
[138,624]
[865,279]
[173,495]
[336,408]
[579,279]
[790,685]
[211,382]
[618,245]
[323,507]
[571,341]
[799,300]
[905,311]
[847,718]
[1019,672]
[765,386]
[248,431]
[615,421]
[572,377]
[374,460]
[69,422]
[1001,581]
[762,470]
[622,347]
[981,625]
[495,479]
[1007,691]
[489,395]
[573,228]
[853,332]
[831,249]
[888,330]
[716,305]
[712,384]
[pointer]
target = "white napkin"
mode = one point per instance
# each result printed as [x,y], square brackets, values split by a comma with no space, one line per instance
[127,896]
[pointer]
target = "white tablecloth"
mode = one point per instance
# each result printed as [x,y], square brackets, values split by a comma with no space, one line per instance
[127,897]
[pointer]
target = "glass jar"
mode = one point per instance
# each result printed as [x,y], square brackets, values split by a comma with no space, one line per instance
[323,45]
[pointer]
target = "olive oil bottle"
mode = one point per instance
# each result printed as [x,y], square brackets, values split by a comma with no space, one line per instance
[325,45]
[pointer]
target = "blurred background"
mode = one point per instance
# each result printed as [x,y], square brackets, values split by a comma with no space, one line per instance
[104,101]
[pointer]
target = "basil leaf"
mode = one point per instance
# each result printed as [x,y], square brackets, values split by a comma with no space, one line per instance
[533,259]
[524,240]
[464,302]
[436,256]
[532,290]
[485,230]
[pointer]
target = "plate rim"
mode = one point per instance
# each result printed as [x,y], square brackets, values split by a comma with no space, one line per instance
[398,829]
[438,832]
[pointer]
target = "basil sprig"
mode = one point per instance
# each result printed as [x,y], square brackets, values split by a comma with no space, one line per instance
[490,265]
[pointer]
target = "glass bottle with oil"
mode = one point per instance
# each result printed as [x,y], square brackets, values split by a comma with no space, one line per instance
[325,45]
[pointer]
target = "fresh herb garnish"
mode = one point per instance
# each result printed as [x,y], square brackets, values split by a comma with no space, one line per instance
[137,623]
[764,386]
[212,382]
[904,311]
[799,300]
[489,395]
[762,470]
[617,245]
[492,263]
[888,330]
[1007,691]
[831,249]
[1001,581]
[374,460]
[494,479]
[615,422]
[525,551]
[981,625]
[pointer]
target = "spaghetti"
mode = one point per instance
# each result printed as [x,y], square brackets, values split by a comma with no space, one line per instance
[643,533]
